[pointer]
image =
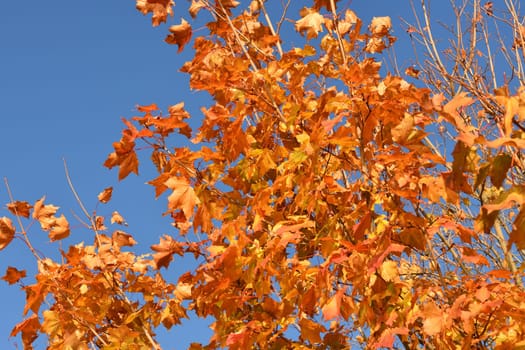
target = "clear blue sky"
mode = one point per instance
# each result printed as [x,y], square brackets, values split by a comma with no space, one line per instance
[69,70]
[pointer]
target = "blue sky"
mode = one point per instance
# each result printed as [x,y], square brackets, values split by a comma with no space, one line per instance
[69,70]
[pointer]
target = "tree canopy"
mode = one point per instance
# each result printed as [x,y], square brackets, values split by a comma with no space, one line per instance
[327,200]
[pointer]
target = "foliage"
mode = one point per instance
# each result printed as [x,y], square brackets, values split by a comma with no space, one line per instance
[327,202]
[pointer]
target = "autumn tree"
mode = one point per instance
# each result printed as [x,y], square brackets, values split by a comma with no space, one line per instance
[328,202]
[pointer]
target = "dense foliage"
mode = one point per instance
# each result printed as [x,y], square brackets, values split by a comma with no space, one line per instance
[329,203]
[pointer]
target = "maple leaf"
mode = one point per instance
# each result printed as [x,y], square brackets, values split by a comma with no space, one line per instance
[180,34]
[20,208]
[29,328]
[105,195]
[59,229]
[433,321]
[183,196]
[165,250]
[117,218]
[160,9]
[196,6]
[123,239]
[7,232]
[311,22]
[380,26]
[13,275]
[332,309]
[310,330]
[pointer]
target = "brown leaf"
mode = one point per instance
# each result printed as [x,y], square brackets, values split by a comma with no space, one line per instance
[20,208]
[180,34]
[12,275]
[105,196]
[7,232]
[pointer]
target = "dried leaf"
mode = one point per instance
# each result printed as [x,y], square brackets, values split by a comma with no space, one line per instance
[380,26]
[13,275]
[311,23]
[20,208]
[7,232]
[123,239]
[180,34]
[105,196]
[59,229]
[116,218]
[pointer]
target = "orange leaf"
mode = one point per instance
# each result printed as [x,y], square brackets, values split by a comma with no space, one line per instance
[60,229]
[380,26]
[332,309]
[312,23]
[12,275]
[310,330]
[7,232]
[29,328]
[148,109]
[123,239]
[183,196]
[165,250]
[117,218]
[105,196]
[19,208]
[180,34]
[160,9]
[433,320]
[454,106]
[43,211]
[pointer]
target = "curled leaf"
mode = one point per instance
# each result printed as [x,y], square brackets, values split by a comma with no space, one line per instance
[311,23]
[20,208]
[180,34]
[380,26]
[7,232]
[105,196]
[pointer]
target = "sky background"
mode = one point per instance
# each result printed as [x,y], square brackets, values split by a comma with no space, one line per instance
[69,71]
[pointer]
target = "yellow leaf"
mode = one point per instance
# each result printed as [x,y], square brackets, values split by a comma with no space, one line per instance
[388,270]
